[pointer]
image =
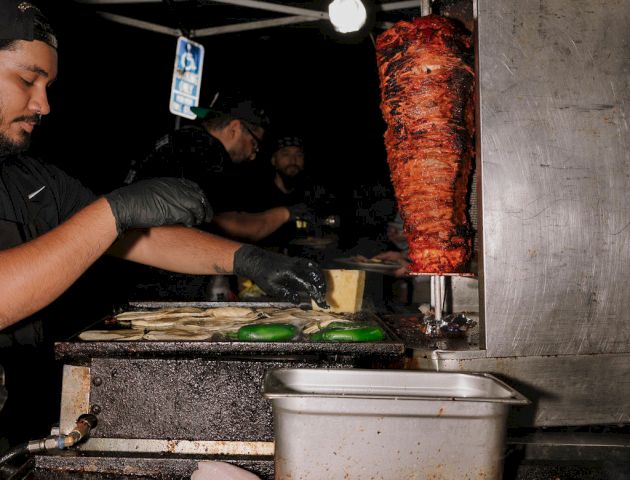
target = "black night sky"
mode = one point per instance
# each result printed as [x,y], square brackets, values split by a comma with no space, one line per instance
[110,101]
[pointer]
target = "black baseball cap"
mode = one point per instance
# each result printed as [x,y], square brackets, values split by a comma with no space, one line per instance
[21,20]
[246,110]
[289,141]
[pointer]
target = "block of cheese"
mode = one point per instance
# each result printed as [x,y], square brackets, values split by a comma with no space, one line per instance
[344,292]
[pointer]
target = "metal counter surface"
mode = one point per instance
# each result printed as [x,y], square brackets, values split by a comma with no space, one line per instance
[544,456]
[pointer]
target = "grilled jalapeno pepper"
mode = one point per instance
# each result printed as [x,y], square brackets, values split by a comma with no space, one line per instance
[350,334]
[267,332]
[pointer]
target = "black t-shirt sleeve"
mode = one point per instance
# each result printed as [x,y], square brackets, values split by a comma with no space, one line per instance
[71,194]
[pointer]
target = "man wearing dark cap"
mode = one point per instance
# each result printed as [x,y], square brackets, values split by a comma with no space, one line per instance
[52,228]
[287,189]
[230,132]
[288,162]
[282,203]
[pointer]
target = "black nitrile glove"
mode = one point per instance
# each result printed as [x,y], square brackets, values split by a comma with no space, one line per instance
[300,211]
[279,275]
[159,201]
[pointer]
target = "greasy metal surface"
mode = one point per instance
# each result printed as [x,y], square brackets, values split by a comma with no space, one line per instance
[555,151]
[166,467]
[567,445]
[153,305]
[360,424]
[564,390]
[187,399]
[75,396]
[81,352]
[408,327]
[517,467]
[185,447]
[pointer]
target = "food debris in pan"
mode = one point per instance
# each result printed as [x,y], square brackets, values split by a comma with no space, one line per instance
[454,325]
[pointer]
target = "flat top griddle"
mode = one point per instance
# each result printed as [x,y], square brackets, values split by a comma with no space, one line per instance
[75,348]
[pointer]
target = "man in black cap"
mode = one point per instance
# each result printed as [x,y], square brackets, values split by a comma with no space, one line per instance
[288,162]
[52,228]
[230,133]
[288,189]
[276,204]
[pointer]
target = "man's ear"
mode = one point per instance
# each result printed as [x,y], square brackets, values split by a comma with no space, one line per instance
[234,128]
[273,160]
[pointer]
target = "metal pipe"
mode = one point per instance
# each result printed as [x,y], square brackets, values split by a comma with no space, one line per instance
[275,7]
[425,8]
[241,27]
[85,423]
[437,295]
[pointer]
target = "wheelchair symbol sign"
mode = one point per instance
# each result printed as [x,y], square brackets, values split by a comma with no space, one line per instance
[186,84]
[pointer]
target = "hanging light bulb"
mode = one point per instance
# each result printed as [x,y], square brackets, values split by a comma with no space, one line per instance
[347,15]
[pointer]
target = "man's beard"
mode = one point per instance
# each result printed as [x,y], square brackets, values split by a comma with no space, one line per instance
[292,182]
[10,147]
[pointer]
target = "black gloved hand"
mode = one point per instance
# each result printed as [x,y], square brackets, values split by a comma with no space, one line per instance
[300,211]
[279,275]
[159,201]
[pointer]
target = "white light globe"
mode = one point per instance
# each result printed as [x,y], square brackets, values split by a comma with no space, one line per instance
[347,15]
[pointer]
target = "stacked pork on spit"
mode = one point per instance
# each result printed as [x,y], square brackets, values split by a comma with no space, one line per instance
[427,85]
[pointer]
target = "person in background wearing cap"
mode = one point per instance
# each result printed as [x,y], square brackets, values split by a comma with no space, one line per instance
[281,200]
[231,132]
[52,228]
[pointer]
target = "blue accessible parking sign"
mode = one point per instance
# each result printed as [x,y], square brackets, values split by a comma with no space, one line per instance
[186,77]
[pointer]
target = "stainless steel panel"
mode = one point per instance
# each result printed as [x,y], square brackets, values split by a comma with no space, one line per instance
[555,153]
[564,390]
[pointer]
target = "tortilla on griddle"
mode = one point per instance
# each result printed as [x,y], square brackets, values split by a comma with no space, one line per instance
[158,323]
[110,335]
[161,313]
[177,334]
[231,312]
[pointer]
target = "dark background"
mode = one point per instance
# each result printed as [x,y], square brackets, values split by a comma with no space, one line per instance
[110,100]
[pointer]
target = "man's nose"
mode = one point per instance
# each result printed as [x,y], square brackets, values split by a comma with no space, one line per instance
[39,102]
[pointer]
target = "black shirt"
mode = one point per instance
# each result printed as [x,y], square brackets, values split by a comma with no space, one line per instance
[192,153]
[34,199]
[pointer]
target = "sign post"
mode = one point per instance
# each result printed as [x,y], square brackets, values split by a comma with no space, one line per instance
[186,84]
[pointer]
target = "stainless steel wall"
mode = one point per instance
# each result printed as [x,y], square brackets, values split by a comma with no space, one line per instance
[555,165]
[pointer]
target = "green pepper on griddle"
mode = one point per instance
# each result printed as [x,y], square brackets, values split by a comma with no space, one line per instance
[349,333]
[267,332]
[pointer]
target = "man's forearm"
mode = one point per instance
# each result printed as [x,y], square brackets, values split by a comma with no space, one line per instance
[178,249]
[251,226]
[34,274]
